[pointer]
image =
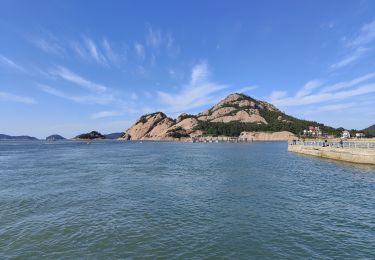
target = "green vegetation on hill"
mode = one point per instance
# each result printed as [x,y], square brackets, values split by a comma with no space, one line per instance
[91,135]
[177,133]
[277,121]
[143,118]
[370,131]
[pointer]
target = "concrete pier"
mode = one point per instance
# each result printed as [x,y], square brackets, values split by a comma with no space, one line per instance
[354,155]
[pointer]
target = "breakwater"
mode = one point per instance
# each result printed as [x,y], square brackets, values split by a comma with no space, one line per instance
[363,153]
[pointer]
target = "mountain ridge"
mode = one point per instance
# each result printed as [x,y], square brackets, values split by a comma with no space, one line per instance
[19,137]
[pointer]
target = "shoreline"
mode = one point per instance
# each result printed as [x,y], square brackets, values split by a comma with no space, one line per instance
[353,155]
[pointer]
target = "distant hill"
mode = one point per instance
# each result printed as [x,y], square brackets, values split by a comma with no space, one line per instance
[113,135]
[92,135]
[18,138]
[54,138]
[235,114]
[370,130]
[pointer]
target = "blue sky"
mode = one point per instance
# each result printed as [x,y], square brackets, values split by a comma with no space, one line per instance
[68,67]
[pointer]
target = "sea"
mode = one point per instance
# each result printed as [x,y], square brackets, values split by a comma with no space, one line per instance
[171,200]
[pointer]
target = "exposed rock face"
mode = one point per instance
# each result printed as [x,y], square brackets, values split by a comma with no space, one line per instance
[237,107]
[267,136]
[151,126]
[235,115]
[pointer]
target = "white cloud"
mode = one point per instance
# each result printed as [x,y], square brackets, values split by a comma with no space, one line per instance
[140,51]
[200,91]
[246,89]
[331,108]
[153,37]
[97,93]
[110,54]
[327,94]
[275,95]
[79,98]
[351,58]
[199,73]
[68,75]
[95,52]
[104,114]
[348,84]
[365,35]
[11,64]
[308,88]
[5,96]
[48,46]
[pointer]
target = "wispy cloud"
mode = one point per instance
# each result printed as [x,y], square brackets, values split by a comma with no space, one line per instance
[366,35]
[11,64]
[140,51]
[68,75]
[96,93]
[351,58]
[153,37]
[110,53]
[356,47]
[48,43]
[334,92]
[198,92]
[95,52]
[347,84]
[104,114]
[48,46]
[5,96]
[246,89]
[308,88]
[86,98]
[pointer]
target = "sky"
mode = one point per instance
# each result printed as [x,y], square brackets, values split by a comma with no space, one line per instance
[68,67]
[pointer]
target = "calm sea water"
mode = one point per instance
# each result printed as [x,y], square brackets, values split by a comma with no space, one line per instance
[112,200]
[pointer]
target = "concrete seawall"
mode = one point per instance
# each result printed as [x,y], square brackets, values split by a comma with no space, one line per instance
[354,155]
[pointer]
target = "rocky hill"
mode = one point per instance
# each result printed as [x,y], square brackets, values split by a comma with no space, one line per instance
[90,136]
[235,114]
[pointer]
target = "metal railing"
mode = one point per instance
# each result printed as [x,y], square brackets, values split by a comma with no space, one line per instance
[336,144]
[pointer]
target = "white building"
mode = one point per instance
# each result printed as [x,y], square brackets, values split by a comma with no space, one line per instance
[360,135]
[345,134]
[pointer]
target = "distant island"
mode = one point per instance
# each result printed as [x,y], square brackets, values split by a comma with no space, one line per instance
[55,138]
[113,135]
[234,116]
[90,136]
[17,138]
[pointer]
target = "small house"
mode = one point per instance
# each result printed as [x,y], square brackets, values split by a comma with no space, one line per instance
[345,134]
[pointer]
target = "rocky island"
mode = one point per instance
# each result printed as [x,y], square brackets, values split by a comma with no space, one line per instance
[90,136]
[237,115]
[55,138]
